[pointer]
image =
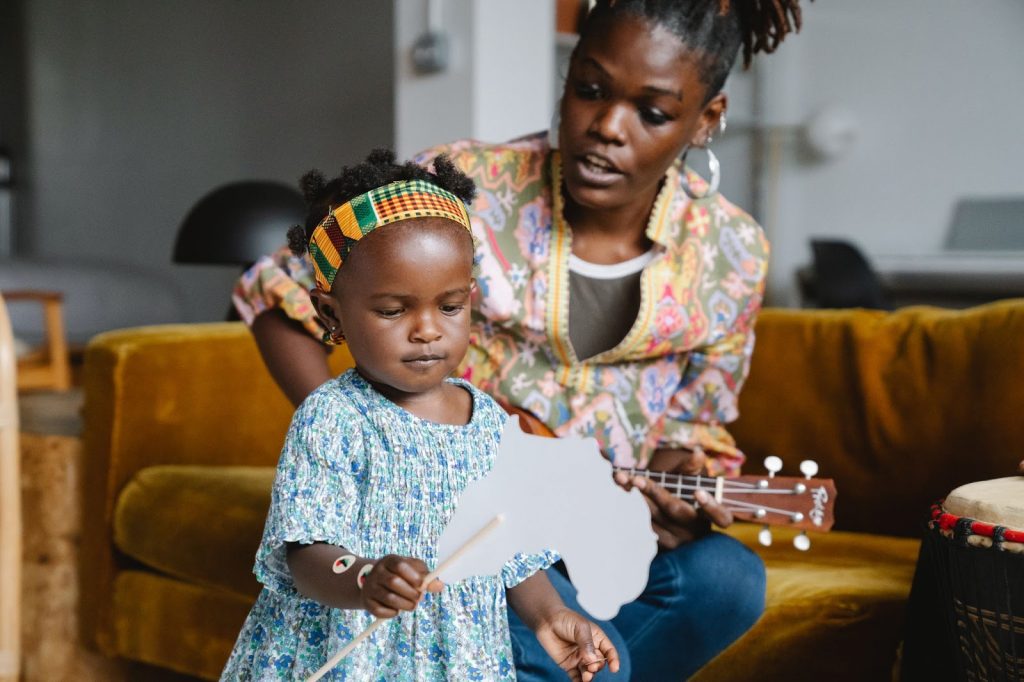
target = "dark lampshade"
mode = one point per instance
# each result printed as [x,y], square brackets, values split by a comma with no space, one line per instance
[237,223]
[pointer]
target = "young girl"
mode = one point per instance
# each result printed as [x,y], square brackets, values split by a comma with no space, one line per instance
[375,460]
[616,299]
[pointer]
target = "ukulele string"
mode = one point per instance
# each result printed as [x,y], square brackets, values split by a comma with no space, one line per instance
[674,483]
[685,492]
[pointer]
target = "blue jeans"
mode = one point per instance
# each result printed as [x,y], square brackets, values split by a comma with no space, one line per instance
[699,599]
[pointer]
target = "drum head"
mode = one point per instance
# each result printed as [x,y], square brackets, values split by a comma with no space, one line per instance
[999,502]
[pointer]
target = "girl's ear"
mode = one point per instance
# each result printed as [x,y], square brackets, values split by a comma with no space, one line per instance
[710,120]
[327,309]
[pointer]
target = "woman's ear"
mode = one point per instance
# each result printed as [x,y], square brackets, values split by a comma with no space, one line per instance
[327,310]
[710,120]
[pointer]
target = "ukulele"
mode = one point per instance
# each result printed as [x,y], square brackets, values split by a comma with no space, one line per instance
[805,504]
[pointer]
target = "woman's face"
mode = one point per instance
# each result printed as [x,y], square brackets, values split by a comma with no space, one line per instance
[633,100]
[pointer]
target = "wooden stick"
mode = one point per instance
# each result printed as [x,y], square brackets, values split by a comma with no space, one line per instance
[456,555]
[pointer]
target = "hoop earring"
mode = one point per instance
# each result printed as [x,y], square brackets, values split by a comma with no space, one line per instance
[716,175]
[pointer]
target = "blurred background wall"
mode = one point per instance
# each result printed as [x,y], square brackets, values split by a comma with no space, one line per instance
[118,116]
[932,90]
[131,111]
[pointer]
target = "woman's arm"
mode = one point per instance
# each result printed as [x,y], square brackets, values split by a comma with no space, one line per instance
[296,360]
[272,297]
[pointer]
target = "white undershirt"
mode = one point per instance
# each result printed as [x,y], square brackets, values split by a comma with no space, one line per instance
[613,271]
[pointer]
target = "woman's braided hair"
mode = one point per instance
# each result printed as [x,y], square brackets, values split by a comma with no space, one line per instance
[377,170]
[714,29]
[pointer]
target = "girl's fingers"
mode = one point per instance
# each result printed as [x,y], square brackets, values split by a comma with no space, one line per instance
[403,575]
[380,610]
[435,586]
[413,571]
[397,602]
[607,649]
[401,587]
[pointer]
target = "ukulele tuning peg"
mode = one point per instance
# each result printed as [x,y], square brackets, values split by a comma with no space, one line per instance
[802,542]
[773,464]
[808,468]
[764,537]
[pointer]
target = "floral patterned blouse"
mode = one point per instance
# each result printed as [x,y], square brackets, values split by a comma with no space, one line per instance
[673,381]
[360,472]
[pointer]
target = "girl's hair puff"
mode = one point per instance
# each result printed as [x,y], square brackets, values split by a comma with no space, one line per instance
[377,170]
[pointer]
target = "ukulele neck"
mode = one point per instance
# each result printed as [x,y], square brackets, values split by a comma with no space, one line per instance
[680,485]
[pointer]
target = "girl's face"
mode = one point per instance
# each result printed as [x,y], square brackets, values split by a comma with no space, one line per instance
[402,301]
[633,100]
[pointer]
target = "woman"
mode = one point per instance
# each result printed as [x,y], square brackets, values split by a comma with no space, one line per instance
[616,299]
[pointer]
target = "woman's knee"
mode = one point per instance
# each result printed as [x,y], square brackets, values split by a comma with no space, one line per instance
[722,573]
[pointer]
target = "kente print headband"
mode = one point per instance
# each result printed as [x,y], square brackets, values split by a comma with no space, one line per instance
[334,238]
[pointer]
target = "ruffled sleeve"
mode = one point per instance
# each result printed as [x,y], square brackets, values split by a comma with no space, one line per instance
[522,566]
[281,280]
[317,487]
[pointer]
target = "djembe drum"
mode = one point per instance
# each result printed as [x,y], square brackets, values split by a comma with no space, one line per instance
[975,542]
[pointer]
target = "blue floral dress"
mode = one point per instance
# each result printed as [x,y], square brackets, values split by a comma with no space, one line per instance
[360,472]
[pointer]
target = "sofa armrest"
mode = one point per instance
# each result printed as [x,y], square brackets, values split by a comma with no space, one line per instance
[191,394]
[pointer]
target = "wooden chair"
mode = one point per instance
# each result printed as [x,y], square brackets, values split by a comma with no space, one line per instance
[47,367]
[10,507]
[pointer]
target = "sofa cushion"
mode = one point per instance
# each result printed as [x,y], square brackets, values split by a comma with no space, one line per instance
[200,523]
[850,589]
[174,624]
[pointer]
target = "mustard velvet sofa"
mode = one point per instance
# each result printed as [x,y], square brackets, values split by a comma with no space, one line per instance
[183,426]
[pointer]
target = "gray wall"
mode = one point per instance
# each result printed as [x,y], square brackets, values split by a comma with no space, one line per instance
[937,89]
[498,83]
[136,108]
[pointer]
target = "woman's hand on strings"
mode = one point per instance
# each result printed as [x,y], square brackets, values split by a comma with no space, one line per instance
[675,521]
[394,585]
[580,647]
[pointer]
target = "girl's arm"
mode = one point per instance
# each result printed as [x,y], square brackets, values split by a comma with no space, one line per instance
[383,588]
[569,638]
[296,360]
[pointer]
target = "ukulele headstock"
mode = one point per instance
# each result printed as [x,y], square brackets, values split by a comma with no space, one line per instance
[805,504]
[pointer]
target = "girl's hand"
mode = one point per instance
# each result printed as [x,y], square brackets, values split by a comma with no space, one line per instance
[394,585]
[579,647]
